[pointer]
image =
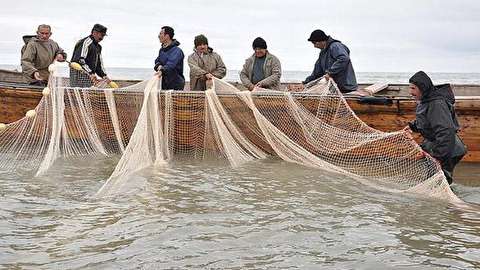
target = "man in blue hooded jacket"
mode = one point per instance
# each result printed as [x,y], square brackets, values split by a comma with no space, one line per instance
[333,62]
[169,63]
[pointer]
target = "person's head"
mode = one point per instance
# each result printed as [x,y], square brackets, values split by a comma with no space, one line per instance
[166,34]
[420,85]
[201,43]
[99,32]
[259,45]
[44,31]
[319,39]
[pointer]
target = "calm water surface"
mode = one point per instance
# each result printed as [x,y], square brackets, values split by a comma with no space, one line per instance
[204,215]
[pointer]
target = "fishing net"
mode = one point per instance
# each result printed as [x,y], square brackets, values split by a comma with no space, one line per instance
[149,127]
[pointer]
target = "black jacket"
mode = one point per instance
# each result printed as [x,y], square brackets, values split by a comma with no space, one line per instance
[436,119]
[88,53]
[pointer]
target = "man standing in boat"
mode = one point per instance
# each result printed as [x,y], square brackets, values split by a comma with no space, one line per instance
[169,63]
[204,64]
[437,122]
[38,53]
[262,69]
[333,62]
[88,53]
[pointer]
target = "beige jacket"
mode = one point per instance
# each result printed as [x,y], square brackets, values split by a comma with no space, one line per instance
[37,56]
[271,69]
[201,64]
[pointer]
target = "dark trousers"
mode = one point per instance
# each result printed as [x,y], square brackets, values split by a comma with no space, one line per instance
[448,166]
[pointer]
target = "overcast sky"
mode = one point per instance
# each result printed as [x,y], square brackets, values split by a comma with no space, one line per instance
[390,36]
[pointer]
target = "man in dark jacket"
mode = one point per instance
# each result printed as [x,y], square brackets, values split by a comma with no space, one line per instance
[437,122]
[333,62]
[88,53]
[169,63]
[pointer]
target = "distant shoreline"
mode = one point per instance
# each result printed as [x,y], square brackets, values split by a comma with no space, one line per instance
[289,76]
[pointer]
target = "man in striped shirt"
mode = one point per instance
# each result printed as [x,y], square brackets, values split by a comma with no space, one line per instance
[88,53]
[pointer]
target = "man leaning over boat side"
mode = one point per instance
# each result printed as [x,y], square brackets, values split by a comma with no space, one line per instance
[169,63]
[88,53]
[38,53]
[262,69]
[204,64]
[437,122]
[333,62]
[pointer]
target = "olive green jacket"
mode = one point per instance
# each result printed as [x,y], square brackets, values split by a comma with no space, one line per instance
[37,56]
[202,64]
[271,69]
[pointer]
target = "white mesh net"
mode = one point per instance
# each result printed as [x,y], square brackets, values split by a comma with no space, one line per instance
[149,127]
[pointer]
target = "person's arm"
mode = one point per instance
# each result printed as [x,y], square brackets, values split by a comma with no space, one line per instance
[157,62]
[100,70]
[244,76]
[83,55]
[221,70]
[316,73]
[195,70]
[276,74]
[413,126]
[340,54]
[28,57]
[60,54]
[443,128]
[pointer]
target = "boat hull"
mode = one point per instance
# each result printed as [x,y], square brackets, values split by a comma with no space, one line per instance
[17,99]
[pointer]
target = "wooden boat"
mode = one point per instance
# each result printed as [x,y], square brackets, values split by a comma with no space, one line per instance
[391,114]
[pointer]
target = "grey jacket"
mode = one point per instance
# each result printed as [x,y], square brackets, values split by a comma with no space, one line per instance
[272,70]
[37,55]
[335,60]
[200,65]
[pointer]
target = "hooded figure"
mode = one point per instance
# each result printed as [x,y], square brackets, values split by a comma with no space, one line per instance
[437,122]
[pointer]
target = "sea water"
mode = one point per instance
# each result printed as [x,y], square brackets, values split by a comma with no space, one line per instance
[119,73]
[265,214]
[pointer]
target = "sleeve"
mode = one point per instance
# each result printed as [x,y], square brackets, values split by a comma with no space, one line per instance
[316,73]
[441,121]
[100,68]
[340,54]
[83,55]
[221,70]
[244,75]
[172,61]
[60,51]
[157,62]
[195,70]
[276,74]
[413,126]
[28,57]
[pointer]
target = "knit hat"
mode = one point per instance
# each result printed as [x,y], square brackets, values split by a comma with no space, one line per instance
[318,35]
[200,40]
[259,43]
